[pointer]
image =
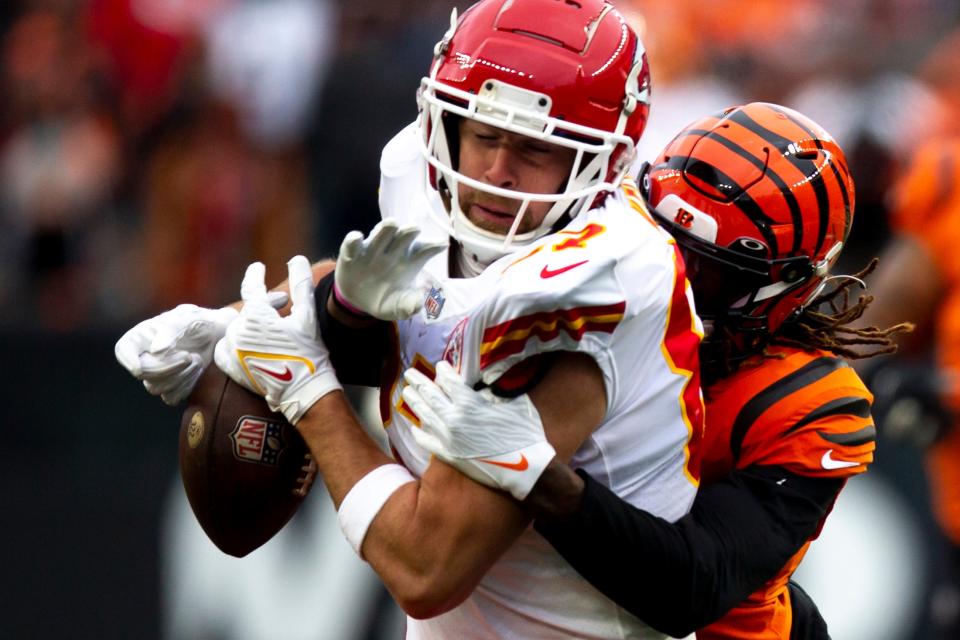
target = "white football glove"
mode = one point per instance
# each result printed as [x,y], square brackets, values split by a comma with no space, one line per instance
[169,352]
[498,442]
[377,275]
[279,358]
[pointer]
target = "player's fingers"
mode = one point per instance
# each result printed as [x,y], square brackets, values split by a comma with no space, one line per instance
[350,246]
[165,337]
[416,402]
[450,382]
[300,278]
[429,395]
[430,443]
[278,299]
[253,289]
[222,354]
[129,347]
[160,388]
[405,239]
[415,377]
[186,381]
[154,368]
[184,378]
[382,236]
[423,251]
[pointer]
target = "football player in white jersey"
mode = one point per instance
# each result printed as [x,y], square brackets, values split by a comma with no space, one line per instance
[551,279]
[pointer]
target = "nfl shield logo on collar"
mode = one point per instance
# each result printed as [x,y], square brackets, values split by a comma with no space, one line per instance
[434,303]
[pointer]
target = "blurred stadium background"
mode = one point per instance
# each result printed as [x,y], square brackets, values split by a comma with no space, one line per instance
[150,149]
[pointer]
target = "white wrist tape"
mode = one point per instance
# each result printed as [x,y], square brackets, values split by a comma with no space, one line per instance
[364,501]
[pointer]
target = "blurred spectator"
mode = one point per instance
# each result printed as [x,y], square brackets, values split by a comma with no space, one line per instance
[144,47]
[226,179]
[369,95]
[921,277]
[213,204]
[59,163]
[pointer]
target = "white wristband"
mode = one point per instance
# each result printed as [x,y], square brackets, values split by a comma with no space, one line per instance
[364,501]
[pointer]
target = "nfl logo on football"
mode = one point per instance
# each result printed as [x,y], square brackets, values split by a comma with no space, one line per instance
[434,303]
[257,440]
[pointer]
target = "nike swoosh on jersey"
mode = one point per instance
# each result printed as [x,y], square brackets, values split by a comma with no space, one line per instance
[285,376]
[520,465]
[829,463]
[547,272]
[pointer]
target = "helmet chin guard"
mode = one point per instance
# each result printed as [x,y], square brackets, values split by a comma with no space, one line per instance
[580,82]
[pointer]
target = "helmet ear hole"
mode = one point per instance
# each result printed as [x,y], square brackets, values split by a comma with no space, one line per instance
[750,247]
[797,272]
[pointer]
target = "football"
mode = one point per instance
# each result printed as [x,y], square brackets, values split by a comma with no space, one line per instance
[245,469]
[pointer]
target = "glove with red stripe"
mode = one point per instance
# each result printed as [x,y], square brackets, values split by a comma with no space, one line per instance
[279,358]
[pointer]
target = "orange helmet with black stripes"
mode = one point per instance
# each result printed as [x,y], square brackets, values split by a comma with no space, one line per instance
[760,199]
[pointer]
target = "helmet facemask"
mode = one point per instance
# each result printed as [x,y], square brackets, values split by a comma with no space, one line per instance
[600,159]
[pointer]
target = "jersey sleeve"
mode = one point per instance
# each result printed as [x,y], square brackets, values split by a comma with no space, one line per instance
[567,294]
[678,577]
[817,423]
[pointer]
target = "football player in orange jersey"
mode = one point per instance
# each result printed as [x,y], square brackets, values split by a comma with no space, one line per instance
[920,278]
[760,200]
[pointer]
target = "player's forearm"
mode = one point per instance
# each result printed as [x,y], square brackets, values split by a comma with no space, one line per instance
[431,551]
[342,450]
[557,495]
[358,346]
[429,542]
[739,535]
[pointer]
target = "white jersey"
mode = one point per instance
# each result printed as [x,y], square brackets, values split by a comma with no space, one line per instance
[607,285]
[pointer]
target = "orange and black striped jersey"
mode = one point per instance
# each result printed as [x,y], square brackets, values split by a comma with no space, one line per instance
[806,412]
[926,206]
[782,436]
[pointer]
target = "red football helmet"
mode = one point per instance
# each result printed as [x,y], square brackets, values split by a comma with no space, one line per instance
[760,199]
[571,73]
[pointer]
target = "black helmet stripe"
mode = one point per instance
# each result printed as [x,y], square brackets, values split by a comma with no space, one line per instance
[806,166]
[709,174]
[847,213]
[784,188]
[846,200]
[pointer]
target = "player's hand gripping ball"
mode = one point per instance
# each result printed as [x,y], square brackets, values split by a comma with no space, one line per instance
[245,469]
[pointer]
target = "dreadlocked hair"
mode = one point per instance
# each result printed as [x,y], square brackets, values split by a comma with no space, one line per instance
[819,328]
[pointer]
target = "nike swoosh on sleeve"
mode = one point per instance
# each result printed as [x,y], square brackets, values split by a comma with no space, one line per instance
[547,272]
[829,463]
[520,465]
